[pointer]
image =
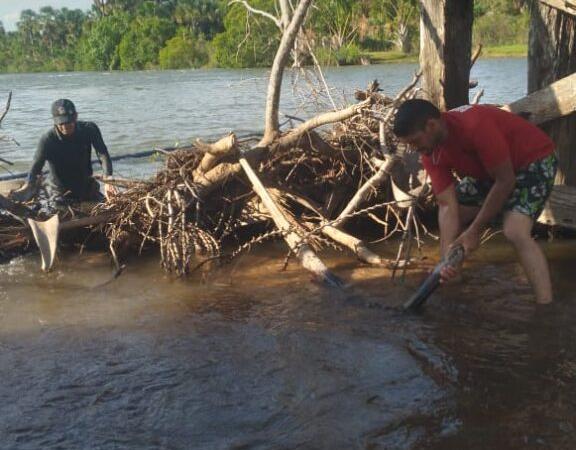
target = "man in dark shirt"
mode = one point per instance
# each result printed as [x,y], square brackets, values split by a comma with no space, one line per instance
[67,148]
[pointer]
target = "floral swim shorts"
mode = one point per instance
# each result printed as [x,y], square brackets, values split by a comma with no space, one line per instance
[533,186]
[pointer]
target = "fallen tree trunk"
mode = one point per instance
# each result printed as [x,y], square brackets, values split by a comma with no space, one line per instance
[554,101]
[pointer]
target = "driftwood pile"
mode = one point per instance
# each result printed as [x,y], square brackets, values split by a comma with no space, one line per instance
[303,185]
[214,201]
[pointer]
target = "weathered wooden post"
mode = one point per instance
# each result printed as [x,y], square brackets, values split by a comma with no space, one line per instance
[552,56]
[445,50]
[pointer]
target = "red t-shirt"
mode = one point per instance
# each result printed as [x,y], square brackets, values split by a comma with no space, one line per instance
[480,138]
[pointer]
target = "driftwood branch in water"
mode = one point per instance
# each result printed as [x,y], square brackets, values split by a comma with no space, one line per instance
[477,97]
[357,246]
[476,54]
[332,117]
[6,108]
[305,254]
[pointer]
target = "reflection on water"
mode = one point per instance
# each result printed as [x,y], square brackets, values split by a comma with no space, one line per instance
[256,358]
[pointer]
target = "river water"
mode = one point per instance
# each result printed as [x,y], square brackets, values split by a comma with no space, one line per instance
[249,356]
[138,111]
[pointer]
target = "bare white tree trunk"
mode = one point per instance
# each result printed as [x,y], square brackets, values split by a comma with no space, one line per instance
[275,84]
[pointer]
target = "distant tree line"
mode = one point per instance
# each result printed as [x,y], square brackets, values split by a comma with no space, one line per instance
[178,34]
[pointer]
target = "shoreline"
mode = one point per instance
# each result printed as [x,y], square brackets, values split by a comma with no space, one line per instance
[387,57]
[501,51]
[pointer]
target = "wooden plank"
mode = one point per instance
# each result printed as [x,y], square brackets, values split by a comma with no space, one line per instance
[560,209]
[566,6]
[555,100]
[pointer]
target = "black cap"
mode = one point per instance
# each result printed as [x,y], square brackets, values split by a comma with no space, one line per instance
[63,111]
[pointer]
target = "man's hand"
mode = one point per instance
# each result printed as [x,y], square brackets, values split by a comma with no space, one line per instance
[470,240]
[110,190]
[24,193]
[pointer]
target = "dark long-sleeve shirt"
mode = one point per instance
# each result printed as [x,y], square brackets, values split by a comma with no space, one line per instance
[69,158]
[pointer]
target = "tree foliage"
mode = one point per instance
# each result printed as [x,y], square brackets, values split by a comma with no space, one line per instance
[141,34]
[141,44]
[184,52]
[98,48]
[248,41]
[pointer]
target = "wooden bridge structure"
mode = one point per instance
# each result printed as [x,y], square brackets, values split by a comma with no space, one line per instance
[446,60]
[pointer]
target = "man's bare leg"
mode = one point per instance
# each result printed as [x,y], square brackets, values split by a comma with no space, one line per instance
[518,230]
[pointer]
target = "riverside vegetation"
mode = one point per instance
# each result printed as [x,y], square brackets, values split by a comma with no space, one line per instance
[182,34]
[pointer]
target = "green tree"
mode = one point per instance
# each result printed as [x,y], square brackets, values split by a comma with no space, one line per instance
[98,47]
[28,47]
[184,52]
[501,22]
[142,42]
[336,22]
[248,41]
[200,16]
[4,61]
[396,22]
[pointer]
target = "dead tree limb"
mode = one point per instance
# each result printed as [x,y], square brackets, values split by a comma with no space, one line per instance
[216,177]
[305,254]
[357,246]
[477,97]
[373,183]
[259,12]
[214,152]
[293,136]
[6,108]
[272,124]
[476,54]
[332,117]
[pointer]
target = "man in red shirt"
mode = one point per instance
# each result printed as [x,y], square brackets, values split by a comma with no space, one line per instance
[505,165]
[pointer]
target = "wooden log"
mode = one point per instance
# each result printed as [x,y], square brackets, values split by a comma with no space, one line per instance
[552,102]
[305,254]
[560,209]
[216,177]
[358,247]
[214,152]
[566,6]
[120,181]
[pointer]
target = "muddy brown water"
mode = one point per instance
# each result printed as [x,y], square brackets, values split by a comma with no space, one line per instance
[253,357]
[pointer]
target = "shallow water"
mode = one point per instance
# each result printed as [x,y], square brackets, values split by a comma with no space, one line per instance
[252,357]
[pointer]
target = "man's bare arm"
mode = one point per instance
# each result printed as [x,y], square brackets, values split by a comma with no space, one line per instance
[448,217]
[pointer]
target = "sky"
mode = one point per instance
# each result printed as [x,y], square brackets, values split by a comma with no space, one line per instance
[10,9]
